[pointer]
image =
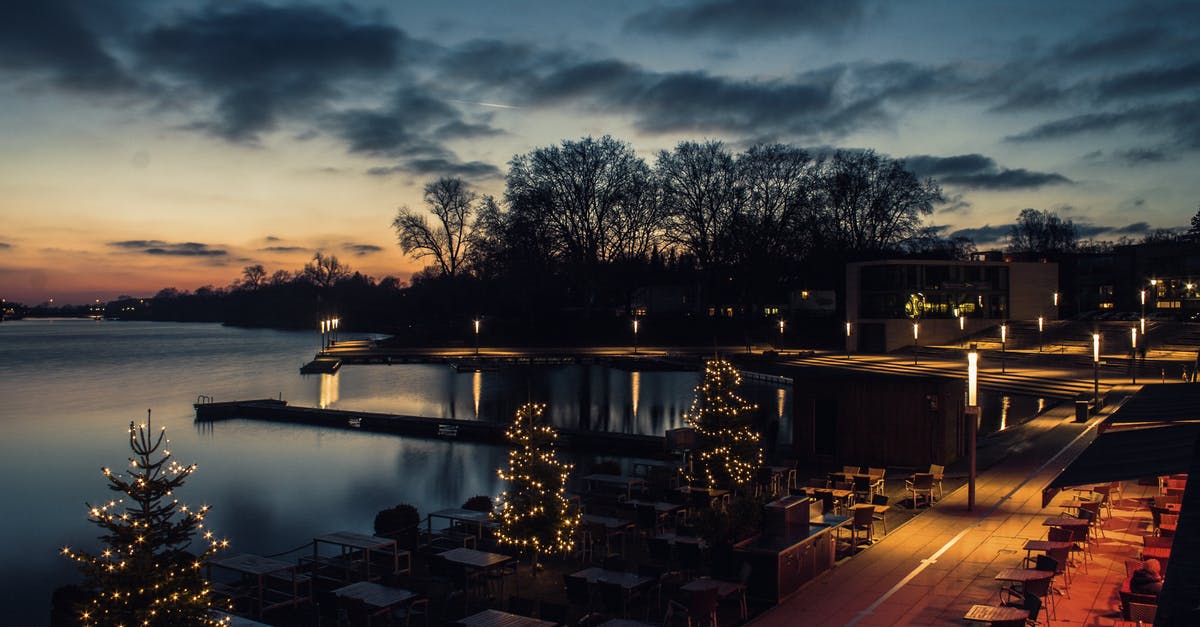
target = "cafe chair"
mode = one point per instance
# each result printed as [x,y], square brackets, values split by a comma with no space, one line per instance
[880,501]
[920,484]
[863,521]
[1028,602]
[701,607]
[1142,612]
[939,473]
[417,609]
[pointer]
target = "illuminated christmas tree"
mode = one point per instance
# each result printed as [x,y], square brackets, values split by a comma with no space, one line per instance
[728,451]
[145,575]
[534,512]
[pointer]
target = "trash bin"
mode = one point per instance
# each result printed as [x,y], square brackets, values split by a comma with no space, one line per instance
[1081,411]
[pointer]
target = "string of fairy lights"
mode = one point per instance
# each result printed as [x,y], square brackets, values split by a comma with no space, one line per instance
[728,452]
[144,576]
[534,511]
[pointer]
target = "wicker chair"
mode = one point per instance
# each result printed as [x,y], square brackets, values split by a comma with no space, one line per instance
[921,483]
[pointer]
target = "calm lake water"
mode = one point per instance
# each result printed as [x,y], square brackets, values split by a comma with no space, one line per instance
[69,388]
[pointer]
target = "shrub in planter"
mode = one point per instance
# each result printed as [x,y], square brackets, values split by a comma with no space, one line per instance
[479,503]
[402,522]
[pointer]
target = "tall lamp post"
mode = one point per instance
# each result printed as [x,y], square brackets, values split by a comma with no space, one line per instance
[321,325]
[1003,341]
[916,334]
[1041,327]
[477,337]
[962,328]
[1096,370]
[972,416]
[1133,350]
[635,332]
[847,339]
[780,347]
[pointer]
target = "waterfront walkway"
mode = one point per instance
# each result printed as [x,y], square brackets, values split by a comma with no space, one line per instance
[933,568]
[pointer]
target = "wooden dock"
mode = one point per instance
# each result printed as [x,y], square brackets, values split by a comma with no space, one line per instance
[576,440]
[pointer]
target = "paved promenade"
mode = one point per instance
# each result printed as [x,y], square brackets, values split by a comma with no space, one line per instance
[933,568]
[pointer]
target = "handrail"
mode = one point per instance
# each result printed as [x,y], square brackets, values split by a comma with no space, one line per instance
[203,398]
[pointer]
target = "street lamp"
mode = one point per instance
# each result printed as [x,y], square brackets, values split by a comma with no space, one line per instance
[972,415]
[962,328]
[1041,327]
[847,340]
[1003,340]
[1133,349]
[780,347]
[1096,370]
[916,334]
[477,337]
[321,325]
[635,332]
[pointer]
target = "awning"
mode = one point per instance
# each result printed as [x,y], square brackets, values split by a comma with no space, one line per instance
[1124,454]
[1159,403]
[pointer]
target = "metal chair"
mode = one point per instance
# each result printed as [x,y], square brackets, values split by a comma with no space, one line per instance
[880,500]
[864,521]
[939,473]
[701,607]
[1142,612]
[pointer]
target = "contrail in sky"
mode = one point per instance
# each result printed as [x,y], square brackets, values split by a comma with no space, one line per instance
[486,104]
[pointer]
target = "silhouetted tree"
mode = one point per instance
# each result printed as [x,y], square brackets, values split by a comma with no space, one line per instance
[324,271]
[870,202]
[448,240]
[1194,230]
[701,193]
[253,277]
[1042,232]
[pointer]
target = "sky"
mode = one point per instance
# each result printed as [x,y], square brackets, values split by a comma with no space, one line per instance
[170,144]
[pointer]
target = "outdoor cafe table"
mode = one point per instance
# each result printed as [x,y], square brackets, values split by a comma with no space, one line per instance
[1156,552]
[628,581]
[662,507]
[717,496]
[349,543]
[378,598]
[1065,522]
[1046,545]
[725,590]
[479,560]
[1023,575]
[612,526]
[496,618]
[841,498]
[466,517]
[258,568]
[615,480]
[995,614]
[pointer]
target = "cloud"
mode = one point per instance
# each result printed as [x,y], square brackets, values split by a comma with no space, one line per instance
[976,171]
[53,38]
[159,247]
[1151,82]
[986,234]
[1134,228]
[263,62]
[440,167]
[362,249]
[739,19]
[1089,231]
[5,245]
[283,249]
[1174,119]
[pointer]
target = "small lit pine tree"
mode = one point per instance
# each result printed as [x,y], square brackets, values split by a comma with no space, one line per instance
[534,512]
[145,576]
[727,448]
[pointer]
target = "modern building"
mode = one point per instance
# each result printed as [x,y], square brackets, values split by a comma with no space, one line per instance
[895,303]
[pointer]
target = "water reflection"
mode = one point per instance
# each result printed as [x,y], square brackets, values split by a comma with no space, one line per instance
[635,389]
[329,390]
[476,390]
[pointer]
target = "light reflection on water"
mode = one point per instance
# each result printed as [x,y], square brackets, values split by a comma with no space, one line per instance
[70,387]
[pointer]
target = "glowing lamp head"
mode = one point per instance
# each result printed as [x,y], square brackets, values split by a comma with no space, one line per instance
[847,329]
[972,378]
[476,326]
[1133,336]
[916,330]
[1003,333]
[1056,299]
[1096,347]
[1041,323]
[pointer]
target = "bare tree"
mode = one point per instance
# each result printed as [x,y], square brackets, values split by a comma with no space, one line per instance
[779,188]
[871,202]
[593,198]
[448,240]
[1042,232]
[702,194]
[253,277]
[324,271]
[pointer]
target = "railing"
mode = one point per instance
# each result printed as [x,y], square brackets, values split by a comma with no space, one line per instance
[203,398]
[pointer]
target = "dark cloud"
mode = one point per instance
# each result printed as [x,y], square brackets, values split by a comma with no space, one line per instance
[1119,45]
[159,247]
[283,249]
[738,19]
[1176,119]
[440,167]
[5,245]
[272,238]
[1131,229]
[975,171]
[265,62]
[985,235]
[1089,231]
[53,38]
[362,249]
[1150,82]
[1141,156]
